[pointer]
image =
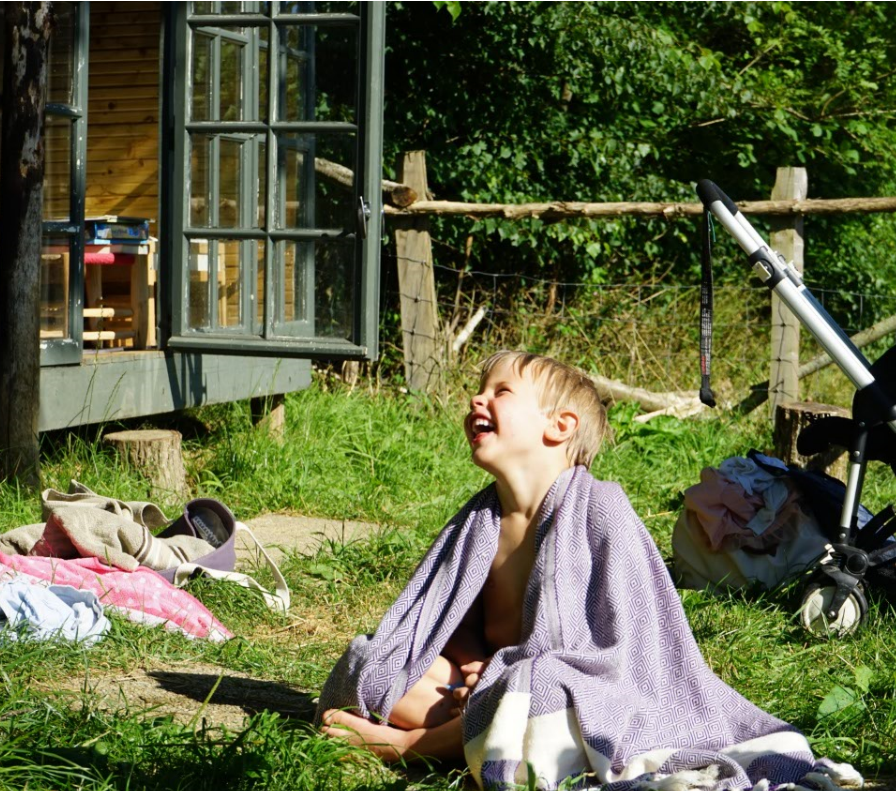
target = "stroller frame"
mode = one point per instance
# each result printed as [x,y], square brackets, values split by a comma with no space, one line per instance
[873,407]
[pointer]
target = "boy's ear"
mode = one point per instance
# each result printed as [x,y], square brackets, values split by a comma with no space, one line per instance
[563,425]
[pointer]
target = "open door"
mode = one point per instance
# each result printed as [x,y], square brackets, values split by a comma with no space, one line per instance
[272,179]
[65,135]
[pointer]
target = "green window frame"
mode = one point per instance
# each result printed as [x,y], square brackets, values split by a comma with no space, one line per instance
[265,256]
[68,114]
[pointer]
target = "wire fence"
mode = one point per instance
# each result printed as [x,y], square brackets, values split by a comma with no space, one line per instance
[641,334]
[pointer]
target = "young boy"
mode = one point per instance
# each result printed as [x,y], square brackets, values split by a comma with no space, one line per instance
[541,633]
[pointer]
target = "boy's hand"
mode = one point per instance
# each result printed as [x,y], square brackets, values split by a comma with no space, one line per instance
[472,672]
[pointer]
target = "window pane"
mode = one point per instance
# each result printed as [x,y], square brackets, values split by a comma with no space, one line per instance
[311,7]
[336,58]
[262,74]
[259,295]
[202,81]
[334,205]
[230,306]
[202,8]
[57,167]
[296,182]
[262,182]
[230,175]
[54,272]
[334,289]
[296,97]
[298,260]
[200,188]
[61,58]
[336,7]
[200,285]
[331,55]
[231,81]
[317,199]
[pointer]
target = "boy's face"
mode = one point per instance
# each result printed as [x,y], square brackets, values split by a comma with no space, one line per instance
[505,424]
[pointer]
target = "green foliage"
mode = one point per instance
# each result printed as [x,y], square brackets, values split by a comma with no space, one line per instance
[611,101]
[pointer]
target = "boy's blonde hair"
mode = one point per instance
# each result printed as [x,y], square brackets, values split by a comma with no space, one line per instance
[561,386]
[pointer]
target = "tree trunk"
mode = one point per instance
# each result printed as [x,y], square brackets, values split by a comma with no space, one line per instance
[26,32]
[157,454]
[269,414]
[790,419]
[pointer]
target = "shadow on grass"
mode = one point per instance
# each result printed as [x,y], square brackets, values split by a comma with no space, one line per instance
[251,695]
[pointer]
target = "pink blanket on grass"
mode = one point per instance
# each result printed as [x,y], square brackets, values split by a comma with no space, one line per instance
[143,595]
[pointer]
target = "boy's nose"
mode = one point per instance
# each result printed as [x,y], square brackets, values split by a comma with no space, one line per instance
[477,400]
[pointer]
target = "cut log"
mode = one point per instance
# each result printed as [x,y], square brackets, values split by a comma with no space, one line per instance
[157,454]
[791,418]
[351,371]
[269,414]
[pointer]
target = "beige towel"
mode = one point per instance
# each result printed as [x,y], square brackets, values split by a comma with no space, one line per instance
[81,523]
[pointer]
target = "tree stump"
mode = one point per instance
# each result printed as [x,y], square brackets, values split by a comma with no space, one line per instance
[791,418]
[156,453]
[269,414]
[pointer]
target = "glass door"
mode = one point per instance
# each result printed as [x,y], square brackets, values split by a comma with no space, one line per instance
[65,157]
[275,223]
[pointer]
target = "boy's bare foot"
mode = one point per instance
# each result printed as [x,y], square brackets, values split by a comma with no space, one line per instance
[394,744]
[389,744]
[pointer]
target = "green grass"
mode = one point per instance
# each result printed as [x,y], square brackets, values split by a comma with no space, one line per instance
[399,461]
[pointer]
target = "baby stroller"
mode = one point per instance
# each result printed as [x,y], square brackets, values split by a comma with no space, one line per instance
[859,556]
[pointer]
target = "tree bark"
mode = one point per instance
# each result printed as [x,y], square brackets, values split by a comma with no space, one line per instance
[157,454]
[790,419]
[27,32]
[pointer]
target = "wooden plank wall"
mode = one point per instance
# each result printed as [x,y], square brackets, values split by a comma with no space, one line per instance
[123,110]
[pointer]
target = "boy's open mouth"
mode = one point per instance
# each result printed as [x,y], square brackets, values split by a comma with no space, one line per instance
[480,426]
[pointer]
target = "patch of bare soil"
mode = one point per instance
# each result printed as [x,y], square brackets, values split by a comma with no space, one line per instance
[180,690]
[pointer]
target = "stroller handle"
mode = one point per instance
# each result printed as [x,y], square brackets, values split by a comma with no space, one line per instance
[782,278]
[709,192]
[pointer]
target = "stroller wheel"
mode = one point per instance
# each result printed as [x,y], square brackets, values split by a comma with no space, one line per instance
[816,602]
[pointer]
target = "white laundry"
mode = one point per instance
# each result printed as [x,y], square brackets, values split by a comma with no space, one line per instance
[56,611]
[755,480]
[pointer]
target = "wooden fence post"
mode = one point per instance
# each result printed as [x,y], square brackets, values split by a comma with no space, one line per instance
[421,335]
[27,33]
[787,239]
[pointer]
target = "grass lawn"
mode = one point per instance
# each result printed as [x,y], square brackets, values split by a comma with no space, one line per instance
[401,462]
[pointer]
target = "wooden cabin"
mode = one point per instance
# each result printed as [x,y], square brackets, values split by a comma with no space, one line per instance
[193,249]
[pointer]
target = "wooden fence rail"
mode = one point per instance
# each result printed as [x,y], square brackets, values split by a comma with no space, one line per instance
[568,210]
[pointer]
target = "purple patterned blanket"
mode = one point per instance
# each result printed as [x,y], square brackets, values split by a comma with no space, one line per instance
[607,680]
